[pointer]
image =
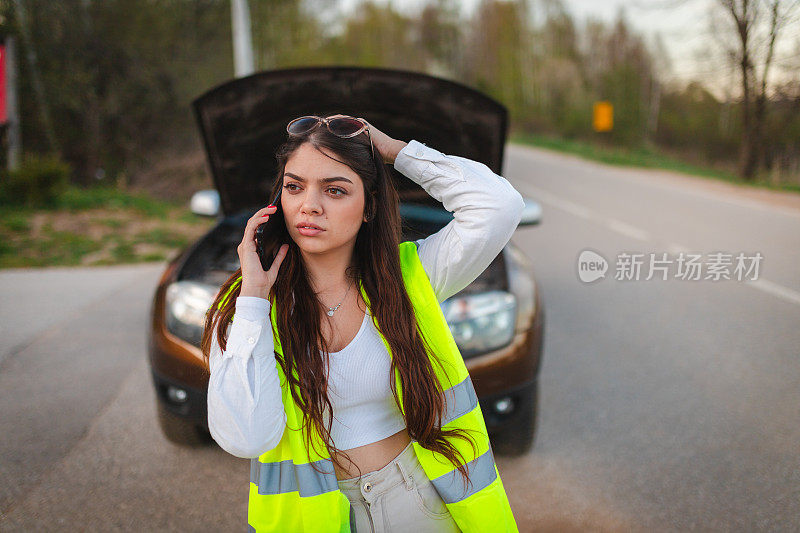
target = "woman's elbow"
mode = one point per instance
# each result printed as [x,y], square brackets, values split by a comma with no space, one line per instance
[256,444]
[249,450]
[519,202]
[270,441]
[510,209]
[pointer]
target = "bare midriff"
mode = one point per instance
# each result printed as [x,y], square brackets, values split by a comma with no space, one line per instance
[373,456]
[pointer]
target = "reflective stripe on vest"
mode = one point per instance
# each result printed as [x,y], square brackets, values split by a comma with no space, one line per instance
[288,494]
[285,476]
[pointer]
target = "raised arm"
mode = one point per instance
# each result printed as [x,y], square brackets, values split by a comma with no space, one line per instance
[486,210]
[245,407]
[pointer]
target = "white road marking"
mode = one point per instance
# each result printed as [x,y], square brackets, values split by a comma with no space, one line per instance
[677,248]
[774,289]
[566,205]
[586,213]
[627,230]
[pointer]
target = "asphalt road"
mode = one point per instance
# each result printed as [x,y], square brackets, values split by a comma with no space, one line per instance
[666,405]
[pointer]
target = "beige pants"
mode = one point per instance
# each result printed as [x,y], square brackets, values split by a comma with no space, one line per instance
[398,497]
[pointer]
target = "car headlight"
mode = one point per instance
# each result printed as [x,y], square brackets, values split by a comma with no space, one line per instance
[481,322]
[186,305]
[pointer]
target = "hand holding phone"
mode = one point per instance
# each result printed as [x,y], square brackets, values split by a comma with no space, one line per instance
[260,237]
[257,277]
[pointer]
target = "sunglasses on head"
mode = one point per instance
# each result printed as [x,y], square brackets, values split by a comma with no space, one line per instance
[341,126]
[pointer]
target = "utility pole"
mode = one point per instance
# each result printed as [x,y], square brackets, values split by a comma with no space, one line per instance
[242,39]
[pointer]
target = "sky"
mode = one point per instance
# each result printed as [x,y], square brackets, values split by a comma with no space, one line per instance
[682,25]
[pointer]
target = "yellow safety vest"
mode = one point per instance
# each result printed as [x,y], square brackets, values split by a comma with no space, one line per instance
[288,495]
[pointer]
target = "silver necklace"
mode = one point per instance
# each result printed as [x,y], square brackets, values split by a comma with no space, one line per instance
[331,310]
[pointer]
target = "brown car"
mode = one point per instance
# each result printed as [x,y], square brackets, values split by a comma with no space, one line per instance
[242,122]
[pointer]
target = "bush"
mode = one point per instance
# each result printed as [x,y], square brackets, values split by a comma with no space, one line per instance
[37,182]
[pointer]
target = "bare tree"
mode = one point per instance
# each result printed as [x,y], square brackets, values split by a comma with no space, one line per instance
[756,27]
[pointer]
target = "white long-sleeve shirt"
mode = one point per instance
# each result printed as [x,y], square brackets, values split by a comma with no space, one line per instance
[245,410]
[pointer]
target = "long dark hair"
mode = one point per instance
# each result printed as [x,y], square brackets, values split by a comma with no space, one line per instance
[377,264]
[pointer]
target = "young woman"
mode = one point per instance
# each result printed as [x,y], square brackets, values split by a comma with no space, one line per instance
[358,333]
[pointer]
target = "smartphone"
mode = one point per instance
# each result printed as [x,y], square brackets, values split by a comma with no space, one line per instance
[266,262]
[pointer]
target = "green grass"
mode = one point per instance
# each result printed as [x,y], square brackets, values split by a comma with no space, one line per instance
[113,223]
[155,256]
[640,157]
[187,216]
[57,248]
[123,253]
[77,199]
[162,236]
[16,221]
[170,227]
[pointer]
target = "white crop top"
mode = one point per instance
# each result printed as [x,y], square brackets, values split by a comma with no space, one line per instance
[359,389]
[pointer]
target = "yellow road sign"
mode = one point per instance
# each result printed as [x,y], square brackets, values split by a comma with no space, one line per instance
[603,119]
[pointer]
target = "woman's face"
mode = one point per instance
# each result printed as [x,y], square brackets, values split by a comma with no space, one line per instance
[336,206]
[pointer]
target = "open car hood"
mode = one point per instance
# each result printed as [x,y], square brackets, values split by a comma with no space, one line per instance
[243,122]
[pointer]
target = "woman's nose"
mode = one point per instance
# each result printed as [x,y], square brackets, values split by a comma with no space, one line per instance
[310,203]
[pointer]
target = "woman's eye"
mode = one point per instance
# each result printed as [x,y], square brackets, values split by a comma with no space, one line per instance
[290,186]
